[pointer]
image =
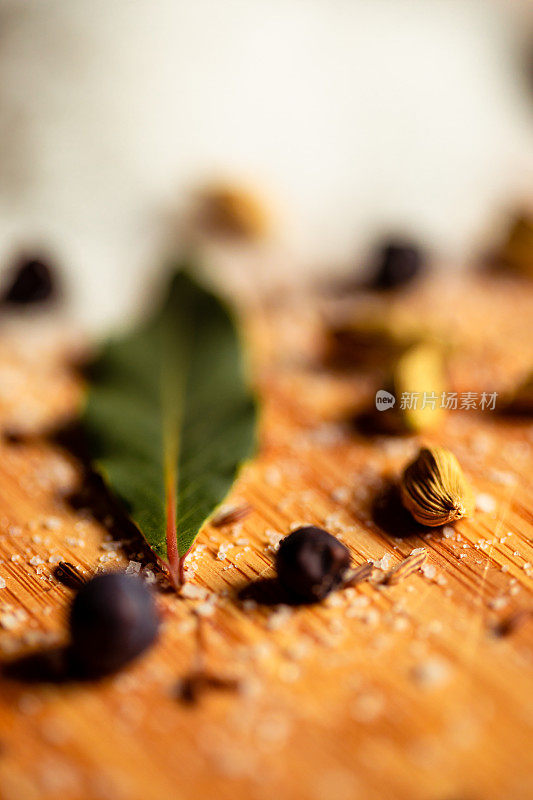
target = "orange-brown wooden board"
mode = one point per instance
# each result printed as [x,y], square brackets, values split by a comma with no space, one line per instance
[378,692]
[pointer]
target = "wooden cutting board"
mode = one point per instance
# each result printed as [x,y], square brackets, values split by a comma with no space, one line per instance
[393,692]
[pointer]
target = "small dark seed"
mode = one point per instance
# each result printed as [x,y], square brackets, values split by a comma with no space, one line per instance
[397,263]
[69,575]
[193,686]
[113,619]
[310,563]
[512,622]
[31,282]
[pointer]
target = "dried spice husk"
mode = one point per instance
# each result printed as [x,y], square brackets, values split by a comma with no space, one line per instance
[409,566]
[354,576]
[420,373]
[434,489]
[517,252]
[228,515]
[69,575]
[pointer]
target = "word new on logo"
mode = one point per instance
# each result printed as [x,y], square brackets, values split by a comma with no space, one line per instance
[384,400]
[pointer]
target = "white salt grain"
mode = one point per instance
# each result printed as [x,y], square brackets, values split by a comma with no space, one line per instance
[383,562]
[278,618]
[432,673]
[51,523]
[368,707]
[341,494]
[191,591]
[486,503]
[503,478]
[206,609]
[497,603]
[428,570]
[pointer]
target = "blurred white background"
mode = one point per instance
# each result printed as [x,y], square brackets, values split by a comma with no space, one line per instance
[354,115]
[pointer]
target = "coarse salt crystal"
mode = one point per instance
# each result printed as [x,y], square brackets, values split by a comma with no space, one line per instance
[206,609]
[191,591]
[272,476]
[429,570]
[110,546]
[368,706]
[273,538]
[11,620]
[2,583]
[383,562]
[51,523]
[333,601]
[341,494]
[485,502]
[278,618]
[370,617]
[503,478]
[497,603]
[133,568]
[432,673]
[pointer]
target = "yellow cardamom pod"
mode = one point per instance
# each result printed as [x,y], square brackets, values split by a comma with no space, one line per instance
[419,377]
[434,488]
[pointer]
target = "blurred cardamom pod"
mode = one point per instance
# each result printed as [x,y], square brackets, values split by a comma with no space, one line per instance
[234,211]
[517,251]
[418,384]
[375,340]
[520,401]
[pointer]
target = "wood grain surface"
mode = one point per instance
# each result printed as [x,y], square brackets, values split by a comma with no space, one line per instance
[421,690]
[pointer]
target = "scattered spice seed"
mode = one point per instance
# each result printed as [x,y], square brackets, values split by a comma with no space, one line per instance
[191,688]
[512,622]
[397,264]
[310,563]
[230,514]
[410,565]
[31,282]
[113,619]
[67,574]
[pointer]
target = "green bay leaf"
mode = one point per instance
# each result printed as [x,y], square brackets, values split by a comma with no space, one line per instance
[170,418]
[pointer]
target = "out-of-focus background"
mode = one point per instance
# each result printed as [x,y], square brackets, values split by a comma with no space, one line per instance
[353,117]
